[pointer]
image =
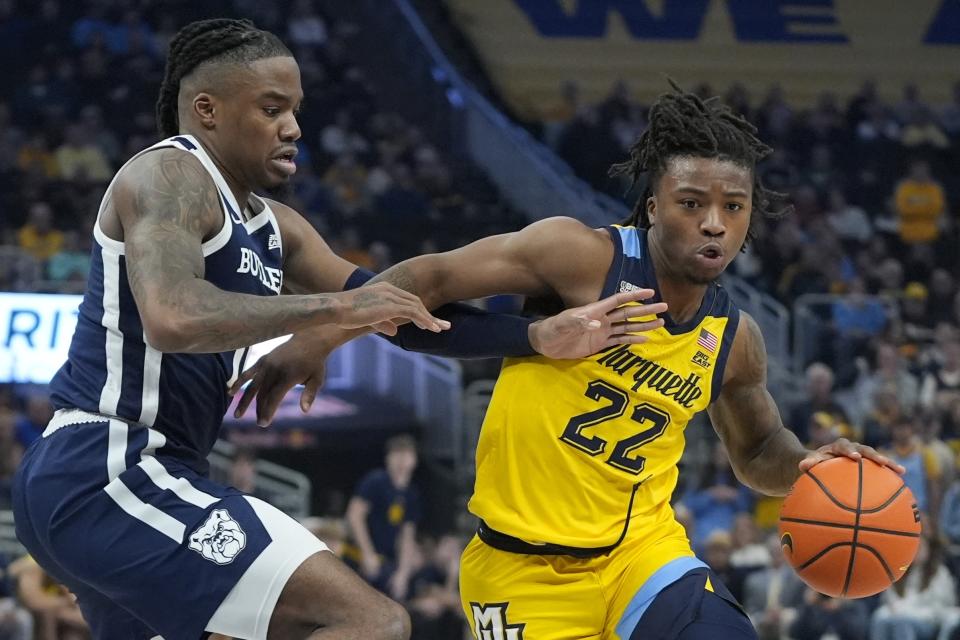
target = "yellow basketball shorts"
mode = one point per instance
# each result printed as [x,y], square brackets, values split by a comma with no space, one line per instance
[513,596]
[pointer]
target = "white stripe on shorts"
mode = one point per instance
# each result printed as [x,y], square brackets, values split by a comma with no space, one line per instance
[247,609]
[116,448]
[181,487]
[146,513]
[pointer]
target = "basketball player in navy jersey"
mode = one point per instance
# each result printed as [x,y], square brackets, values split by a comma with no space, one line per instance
[113,500]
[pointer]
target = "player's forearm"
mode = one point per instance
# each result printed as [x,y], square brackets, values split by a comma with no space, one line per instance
[772,467]
[198,317]
[420,276]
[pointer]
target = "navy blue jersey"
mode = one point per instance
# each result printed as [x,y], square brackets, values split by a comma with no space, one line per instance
[112,371]
[390,508]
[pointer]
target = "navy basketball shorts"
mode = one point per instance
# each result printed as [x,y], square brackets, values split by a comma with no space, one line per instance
[151,548]
[696,607]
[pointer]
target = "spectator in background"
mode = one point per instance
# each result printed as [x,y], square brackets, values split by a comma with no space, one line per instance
[818,398]
[941,384]
[749,551]
[942,290]
[91,118]
[922,133]
[806,276]
[434,604]
[820,615]
[920,204]
[34,158]
[772,595]
[848,221]
[306,28]
[68,268]
[923,474]
[31,424]
[717,499]
[349,246]
[383,515]
[856,322]
[54,609]
[38,237]
[16,623]
[10,453]
[878,423]
[80,159]
[889,369]
[916,606]
[917,326]
[346,179]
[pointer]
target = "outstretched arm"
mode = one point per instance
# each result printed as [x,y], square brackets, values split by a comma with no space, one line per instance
[167,204]
[765,455]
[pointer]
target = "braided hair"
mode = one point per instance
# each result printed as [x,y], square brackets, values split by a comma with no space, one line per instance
[682,124]
[217,40]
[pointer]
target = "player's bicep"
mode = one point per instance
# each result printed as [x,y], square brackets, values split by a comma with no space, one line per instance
[309,264]
[553,256]
[166,204]
[745,415]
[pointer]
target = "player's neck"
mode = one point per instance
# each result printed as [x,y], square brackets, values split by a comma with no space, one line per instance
[683,297]
[236,186]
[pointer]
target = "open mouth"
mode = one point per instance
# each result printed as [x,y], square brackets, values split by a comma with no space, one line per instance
[711,252]
[285,162]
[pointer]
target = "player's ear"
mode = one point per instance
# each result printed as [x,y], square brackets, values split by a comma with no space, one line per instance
[204,107]
[651,208]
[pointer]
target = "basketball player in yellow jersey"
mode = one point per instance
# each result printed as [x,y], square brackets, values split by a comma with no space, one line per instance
[577,459]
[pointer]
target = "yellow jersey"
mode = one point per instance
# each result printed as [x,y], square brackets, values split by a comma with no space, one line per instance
[580,452]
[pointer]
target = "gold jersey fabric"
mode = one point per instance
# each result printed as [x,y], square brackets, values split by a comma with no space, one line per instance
[581,453]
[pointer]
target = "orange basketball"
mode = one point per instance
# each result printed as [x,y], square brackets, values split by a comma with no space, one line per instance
[850,528]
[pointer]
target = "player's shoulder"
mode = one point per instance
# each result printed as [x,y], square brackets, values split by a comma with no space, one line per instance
[166,166]
[566,241]
[565,227]
[748,353]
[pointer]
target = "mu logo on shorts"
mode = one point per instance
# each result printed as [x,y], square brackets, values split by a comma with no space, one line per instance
[220,539]
[490,622]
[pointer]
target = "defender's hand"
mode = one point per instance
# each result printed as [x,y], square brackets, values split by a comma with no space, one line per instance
[300,360]
[583,331]
[383,307]
[853,450]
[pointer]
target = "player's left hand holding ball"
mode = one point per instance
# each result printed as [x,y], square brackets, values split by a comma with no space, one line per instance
[853,450]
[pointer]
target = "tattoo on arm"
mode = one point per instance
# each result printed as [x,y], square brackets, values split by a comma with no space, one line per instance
[763,452]
[174,204]
[400,276]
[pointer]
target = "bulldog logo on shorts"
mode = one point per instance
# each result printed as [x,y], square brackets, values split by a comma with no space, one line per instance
[220,539]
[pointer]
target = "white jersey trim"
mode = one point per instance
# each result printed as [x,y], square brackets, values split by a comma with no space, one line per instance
[113,345]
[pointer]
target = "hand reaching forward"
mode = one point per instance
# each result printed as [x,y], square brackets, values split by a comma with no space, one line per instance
[583,331]
[383,307]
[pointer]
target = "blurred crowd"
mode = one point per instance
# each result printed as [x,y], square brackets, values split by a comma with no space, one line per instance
[83,104]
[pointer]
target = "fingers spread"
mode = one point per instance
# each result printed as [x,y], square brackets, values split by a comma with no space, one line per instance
[638,311]
[635,327]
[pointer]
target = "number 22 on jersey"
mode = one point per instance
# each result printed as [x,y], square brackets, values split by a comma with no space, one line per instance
[624,455]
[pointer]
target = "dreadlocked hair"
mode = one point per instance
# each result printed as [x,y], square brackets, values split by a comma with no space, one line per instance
[218,40]
[682,124]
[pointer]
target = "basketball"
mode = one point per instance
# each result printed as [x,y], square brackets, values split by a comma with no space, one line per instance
[849,528]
